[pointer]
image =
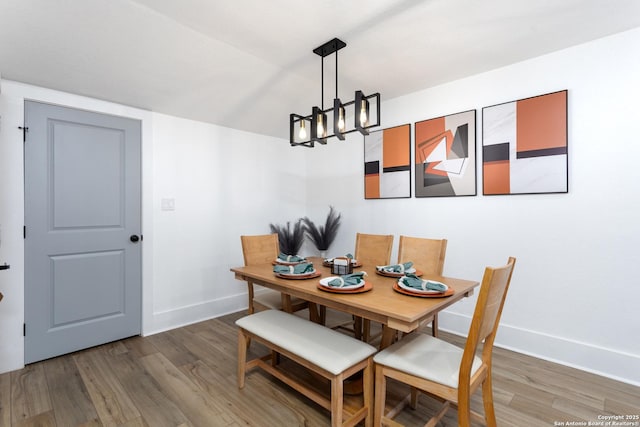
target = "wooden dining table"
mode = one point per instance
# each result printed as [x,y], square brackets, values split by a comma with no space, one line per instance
[394,310]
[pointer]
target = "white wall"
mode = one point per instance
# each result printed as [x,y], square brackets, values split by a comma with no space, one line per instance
[224,183]
[575,294]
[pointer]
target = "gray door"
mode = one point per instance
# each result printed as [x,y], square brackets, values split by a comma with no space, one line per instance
[82,216]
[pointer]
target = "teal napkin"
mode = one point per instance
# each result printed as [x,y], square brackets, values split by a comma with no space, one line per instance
[290,258]
[302,268]
[413,281]
[348,280]
[395,268]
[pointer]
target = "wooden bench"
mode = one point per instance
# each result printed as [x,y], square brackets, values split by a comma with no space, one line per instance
[328,353]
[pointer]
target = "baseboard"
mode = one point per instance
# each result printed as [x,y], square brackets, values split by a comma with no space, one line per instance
[187,315]
[602,361]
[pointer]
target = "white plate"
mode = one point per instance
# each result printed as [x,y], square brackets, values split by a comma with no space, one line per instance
[420,291]
[325,282]
[308,273]
[283,262]
[407,271]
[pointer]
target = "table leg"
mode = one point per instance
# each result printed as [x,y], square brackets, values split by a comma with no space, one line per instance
[357,327]
[388,336]
[314,314]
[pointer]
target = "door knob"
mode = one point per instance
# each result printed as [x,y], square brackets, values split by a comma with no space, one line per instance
[134,238]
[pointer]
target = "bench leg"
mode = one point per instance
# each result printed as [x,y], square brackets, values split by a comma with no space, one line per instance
[275,358]
[415,393]
[337,396]
[243,342]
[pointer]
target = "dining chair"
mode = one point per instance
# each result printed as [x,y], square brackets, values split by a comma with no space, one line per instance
[371,250]
[427,256]
[442,370]
[261,249]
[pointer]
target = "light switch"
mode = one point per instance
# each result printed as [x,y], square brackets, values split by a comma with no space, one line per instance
[168,205]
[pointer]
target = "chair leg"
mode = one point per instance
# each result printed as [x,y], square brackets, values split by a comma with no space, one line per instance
[487,400]
[367,387]
[380,395]
[464,411]
[243,343]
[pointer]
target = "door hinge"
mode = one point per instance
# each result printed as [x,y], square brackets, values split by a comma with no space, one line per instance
[24,130]
[24,231]
[24,329]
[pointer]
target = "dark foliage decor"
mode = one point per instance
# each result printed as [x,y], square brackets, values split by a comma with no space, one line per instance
[290,240]
[323,236]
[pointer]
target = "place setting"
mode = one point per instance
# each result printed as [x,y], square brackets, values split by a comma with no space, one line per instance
[414,286]
[284,259]
[346,284]
[397,270]
[301,270]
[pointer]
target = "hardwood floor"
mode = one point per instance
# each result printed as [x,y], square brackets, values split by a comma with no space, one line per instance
[187,377]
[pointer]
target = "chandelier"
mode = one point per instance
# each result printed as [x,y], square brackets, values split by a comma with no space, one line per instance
[307,130]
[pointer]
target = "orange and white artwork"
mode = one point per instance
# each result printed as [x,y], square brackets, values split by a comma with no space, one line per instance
[445,155]
[524,146]
[387,163]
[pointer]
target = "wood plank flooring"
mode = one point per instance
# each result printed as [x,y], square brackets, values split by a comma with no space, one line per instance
[187,377]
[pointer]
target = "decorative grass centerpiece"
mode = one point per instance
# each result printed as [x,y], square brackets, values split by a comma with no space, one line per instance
[323,236]
[290,241]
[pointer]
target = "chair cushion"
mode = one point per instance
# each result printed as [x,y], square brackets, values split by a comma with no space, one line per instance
[324,347]
[426,357]
[272,299]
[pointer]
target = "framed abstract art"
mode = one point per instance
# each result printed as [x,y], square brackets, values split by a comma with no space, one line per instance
[445,155]
[524,146]
[387,163]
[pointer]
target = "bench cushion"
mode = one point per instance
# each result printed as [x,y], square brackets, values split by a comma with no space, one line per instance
[324,347]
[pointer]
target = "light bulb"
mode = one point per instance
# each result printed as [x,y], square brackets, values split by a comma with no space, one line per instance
[303,131]
[363,114]
[320,126]
[341,119]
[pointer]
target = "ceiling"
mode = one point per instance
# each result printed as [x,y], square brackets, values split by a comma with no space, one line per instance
[247,64]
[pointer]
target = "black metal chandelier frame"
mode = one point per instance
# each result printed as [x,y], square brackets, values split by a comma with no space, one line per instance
[317,123]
